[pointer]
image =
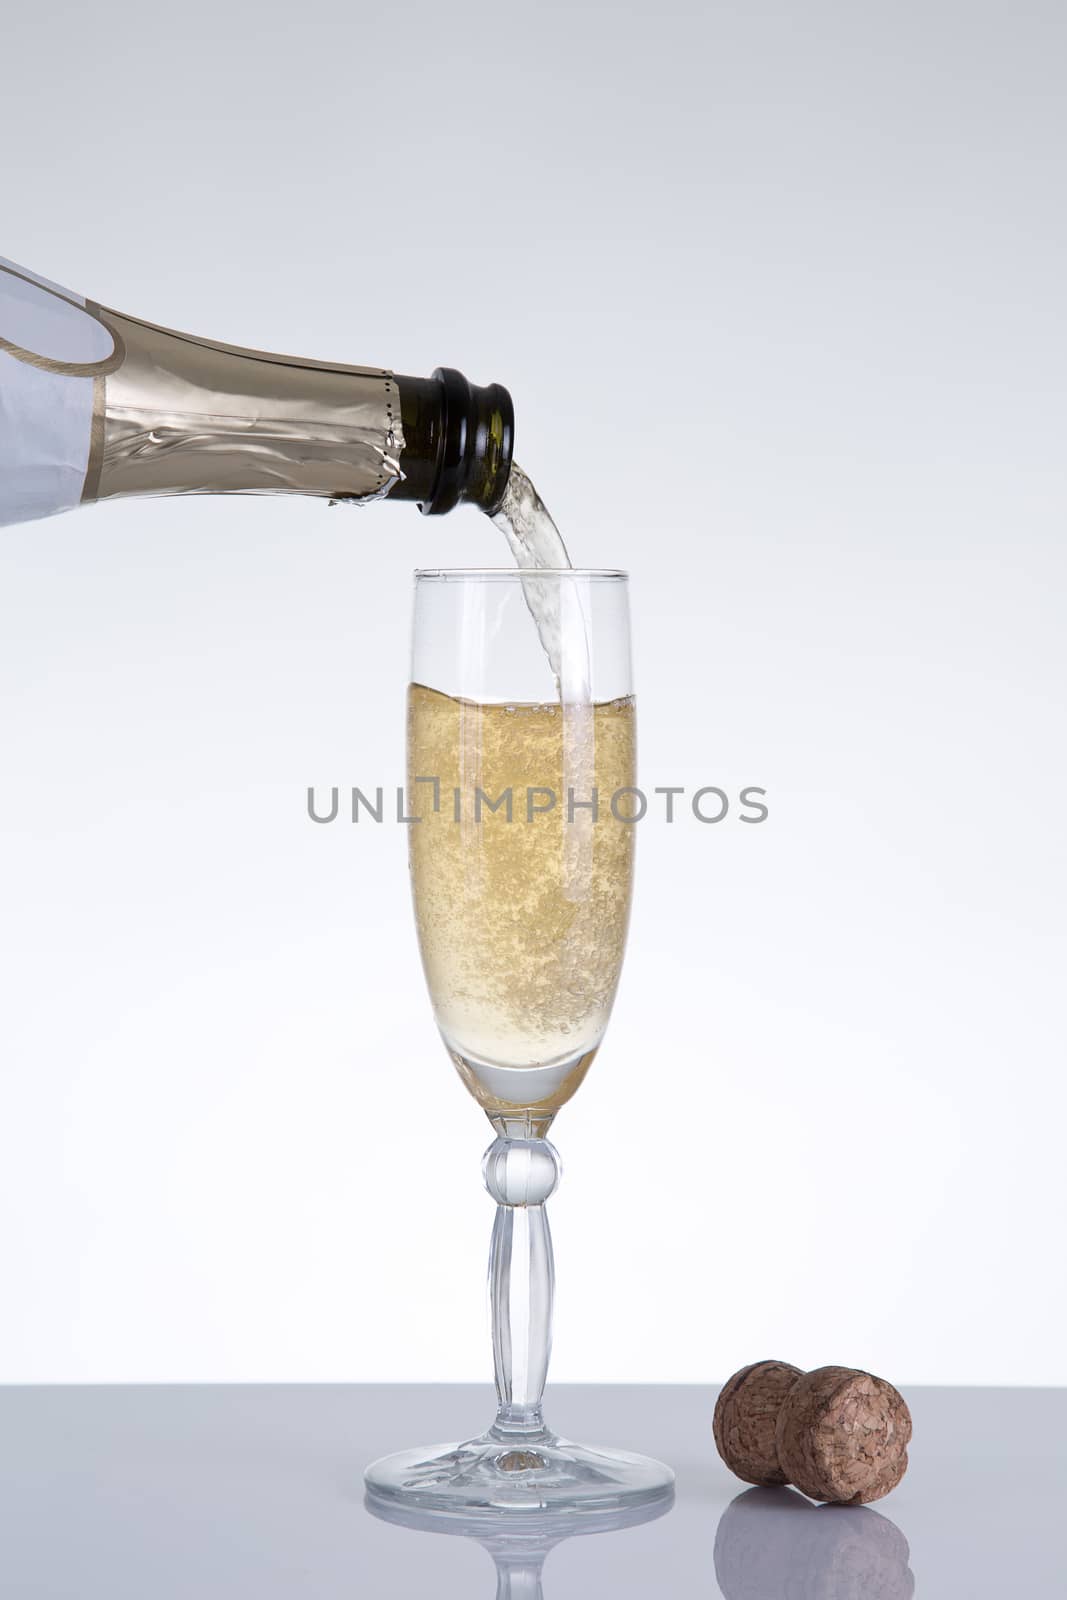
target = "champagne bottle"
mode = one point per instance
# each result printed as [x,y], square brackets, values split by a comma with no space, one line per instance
[95,405]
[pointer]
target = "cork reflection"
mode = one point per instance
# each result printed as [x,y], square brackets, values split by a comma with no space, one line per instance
[772,1544]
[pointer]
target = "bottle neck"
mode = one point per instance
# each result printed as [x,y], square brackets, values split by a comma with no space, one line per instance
[458,441]
[182,415]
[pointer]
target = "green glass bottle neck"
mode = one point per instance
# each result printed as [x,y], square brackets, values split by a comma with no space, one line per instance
[458,441]
[185,415]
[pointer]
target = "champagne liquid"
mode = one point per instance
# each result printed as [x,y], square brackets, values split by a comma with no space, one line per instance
[521,935]
[524,520]
[535,541]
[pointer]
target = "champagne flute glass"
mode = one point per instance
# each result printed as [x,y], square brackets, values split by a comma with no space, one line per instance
[521,753]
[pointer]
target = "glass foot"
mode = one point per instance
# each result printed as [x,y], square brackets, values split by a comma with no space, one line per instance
[537,1475]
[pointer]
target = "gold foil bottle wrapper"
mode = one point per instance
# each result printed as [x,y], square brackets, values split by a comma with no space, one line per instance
[186,416]
[96,405]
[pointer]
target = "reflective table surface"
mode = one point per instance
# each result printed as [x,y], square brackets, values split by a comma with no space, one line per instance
[257,1491]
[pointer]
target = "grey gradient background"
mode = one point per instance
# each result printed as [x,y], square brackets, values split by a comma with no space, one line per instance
[779,292]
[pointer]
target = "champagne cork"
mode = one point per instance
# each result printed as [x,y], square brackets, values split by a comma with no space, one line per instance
[746,1417]
[836,1434]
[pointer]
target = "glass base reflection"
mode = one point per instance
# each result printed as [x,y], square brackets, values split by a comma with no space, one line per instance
[519,1542]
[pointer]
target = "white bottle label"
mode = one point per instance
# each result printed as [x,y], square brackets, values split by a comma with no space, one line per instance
[53,351]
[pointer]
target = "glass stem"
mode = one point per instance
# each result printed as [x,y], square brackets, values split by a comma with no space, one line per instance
[518,1578]
[520,1175]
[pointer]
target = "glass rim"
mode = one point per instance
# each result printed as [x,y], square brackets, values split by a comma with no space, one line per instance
[513,574]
